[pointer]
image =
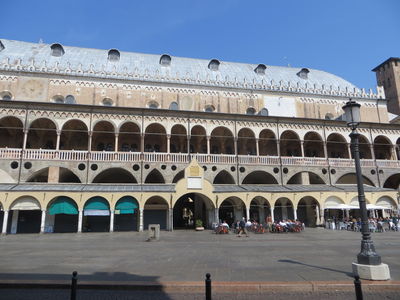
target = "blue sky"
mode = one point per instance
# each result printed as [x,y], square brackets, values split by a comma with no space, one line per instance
[344,37]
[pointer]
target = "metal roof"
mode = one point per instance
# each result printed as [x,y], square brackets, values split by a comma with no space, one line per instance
[33,57]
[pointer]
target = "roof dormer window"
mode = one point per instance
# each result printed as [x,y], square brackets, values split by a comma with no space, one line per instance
[260,70]
[58,99]
[57,50]
[303,73]
[209,108]
[213,65]
[165,60]
[107,102]
[250,111]
[153,104]
[113,55]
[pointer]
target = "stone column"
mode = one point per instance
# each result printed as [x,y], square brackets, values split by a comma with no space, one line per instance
[208,144]
[14,222]
[302,148]
[278,148]
[58,140]
[272,214]
[257,148]
[322,216]
[80,219]
[141,219]
[111,220]
[168,143]
[142,142]
[317,212]
[294,213]
[325,150]
[5,222]
[371,148]
[235,145]
[247,213]
[216,215]
[43,221]
[394,155]
[90,133]
[25,139]
[349,150]
[171,219]
[116,142]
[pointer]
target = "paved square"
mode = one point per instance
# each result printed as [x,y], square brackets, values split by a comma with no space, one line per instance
[313,255]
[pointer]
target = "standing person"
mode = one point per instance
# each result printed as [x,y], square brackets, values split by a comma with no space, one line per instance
[242,227]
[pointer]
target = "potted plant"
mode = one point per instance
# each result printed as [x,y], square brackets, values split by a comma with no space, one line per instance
[199,225]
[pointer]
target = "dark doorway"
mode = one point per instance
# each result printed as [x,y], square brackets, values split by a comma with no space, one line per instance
[188,209]
[29,221]
[65,223]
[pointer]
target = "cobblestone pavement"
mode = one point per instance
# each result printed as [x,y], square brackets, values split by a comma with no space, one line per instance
[313,255]
[133,295]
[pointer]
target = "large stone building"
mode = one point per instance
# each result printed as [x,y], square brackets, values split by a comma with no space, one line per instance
[388,76]
[97,140]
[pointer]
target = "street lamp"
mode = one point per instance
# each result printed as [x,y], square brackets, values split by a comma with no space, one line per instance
[369,265]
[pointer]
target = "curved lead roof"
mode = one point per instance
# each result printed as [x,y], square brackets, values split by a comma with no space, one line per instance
[33,57]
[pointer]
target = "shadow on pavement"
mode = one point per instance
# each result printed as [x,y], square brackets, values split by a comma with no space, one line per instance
[316,267]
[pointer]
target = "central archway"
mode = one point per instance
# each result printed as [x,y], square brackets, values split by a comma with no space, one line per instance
[191,207]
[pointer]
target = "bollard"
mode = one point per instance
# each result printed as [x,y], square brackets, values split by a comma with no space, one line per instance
[208,286]
[74,285]
[357,286]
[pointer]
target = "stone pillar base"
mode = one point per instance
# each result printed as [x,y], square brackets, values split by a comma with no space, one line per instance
[370,272]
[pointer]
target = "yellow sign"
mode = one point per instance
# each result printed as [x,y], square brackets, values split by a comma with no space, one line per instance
[194,171]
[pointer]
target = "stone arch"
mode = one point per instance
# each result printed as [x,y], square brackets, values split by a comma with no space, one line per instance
[156,212]
[382,148]
[232,209]
[42,134]
[62,214]
[290,143]
[223,177]
[246,142]
[308,211]
[313,145]
[313,178]
[103,136]
[222,141]
[64,176]
[267,143]
[25,215]
[96,215]
[392,182]
[74,136]
[129,137]
[179,176]
[114,175]
[11,132]
[337,146]
[387,202]
[198,139]
[155,177]
[126,214]
[283,209]
[350,178]
[26,202]
[259,177]
[260,209]
[179,140]
[155,138]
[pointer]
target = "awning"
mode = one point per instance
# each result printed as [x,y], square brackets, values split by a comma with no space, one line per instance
[341,206]
[96,206]
[25,203]
[63,205]
[96,212]
[126,205]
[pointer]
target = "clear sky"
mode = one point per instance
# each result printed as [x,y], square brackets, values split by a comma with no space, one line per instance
[344,37]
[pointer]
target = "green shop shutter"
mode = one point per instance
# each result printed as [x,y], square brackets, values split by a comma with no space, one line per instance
[126,205]
[63,205]
[96,203]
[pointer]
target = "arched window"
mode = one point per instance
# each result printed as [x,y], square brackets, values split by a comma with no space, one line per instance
[213,65]
[57,50]
[328,116]
[165,60]
[107,102]
[303,73]
[5,95]
[260,70]
[174,106]
[153,104]
[113,55]
[250,111]
[264,112]
[70,99]
[58,99]
[209,108]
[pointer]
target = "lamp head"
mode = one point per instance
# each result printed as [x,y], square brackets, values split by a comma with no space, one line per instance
[352,113]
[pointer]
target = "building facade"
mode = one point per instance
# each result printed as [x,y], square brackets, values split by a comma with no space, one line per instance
[95,140]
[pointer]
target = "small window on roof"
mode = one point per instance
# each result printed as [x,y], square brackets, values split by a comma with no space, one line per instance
[165,60]
[174,106]
[213,65]
[5,95]
[263,112]
[328,116]
[58,99]
[107,102]
[260,70]
[250,111]
[113,55]
[57,50]
[70,99]
[303,73]
[209,108]
[1,46]
[153,104]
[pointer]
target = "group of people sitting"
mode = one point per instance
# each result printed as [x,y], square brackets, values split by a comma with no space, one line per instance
[244,227]
[374,224]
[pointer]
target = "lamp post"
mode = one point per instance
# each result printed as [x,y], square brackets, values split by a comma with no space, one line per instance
[369,265]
